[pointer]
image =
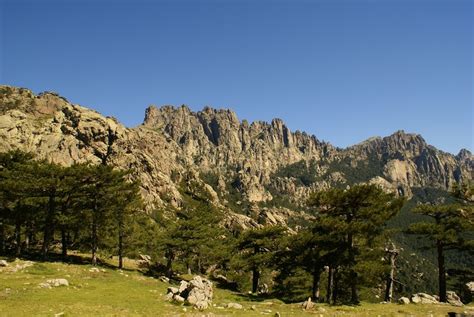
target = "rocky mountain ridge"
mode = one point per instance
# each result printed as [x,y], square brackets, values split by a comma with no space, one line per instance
[258,172]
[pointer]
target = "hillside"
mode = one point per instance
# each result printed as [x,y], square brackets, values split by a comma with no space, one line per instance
[257,174]
[108,291]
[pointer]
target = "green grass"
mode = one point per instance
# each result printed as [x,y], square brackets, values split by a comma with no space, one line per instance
[112,292]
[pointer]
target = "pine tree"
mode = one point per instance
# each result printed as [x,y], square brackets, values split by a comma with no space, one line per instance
[257,248]
[449,226]
[15,207]
[358,216]
[100,200]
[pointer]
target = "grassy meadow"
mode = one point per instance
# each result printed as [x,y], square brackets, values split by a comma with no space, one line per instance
[128,292]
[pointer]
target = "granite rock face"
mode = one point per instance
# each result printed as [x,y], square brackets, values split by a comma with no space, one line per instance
[239,165]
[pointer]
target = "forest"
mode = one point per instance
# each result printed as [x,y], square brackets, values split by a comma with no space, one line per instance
[347,254]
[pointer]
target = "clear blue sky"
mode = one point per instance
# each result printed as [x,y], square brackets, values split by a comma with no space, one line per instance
[342,70]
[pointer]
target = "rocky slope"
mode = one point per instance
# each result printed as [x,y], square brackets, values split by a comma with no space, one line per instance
[258,172]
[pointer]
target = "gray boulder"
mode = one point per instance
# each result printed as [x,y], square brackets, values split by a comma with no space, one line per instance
[404,300]
[178,299]
[198,293]
[308,304]
[3,263]
[58,282]
[453,299]
[423,298]
[234,305]
[470,286]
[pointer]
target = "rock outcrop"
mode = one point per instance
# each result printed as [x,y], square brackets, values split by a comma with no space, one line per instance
[423,298]
[198,293]
[240,166]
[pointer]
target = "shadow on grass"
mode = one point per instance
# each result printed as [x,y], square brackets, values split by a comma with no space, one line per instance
[257,298]
[59,258]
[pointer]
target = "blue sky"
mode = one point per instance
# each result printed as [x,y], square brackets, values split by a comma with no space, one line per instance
[344,70]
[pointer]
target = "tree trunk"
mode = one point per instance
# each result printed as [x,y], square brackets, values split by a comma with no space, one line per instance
[188,266]
[199,265]
[169,265]
[120,242]
[335,292]
[330,286]
[441,272]
[255,278]
[48,226]
[18,237]
[2,238]
[64,243]
[94,243]
[316,282]
[391,277]
[353,273]
[94,233]
[120,253]
[28,235]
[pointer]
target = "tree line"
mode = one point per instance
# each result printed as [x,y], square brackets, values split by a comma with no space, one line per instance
[344,252]
[83,204]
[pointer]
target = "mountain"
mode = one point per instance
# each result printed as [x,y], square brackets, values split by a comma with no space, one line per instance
[259,172]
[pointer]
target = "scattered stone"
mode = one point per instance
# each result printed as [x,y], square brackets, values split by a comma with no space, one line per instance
[262,289]
[423,298]
[253,307]
[169,296]
[183,286]
[144,261]
[44,285]
[59,314]
[201,305]
[234,306]
[3,263]
[277,314]
[470,286]
[20,266]
[308,304]
[164,279]
[404,300]
[198,292]
[173,290]
[178,299]
[58,282]
[453,299]
[94,270]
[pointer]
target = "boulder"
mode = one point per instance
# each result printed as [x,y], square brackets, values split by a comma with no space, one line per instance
[178,299]
[164,279]
[234,305]
[58,282]
[173,290]
[470,286]
[44,285]
[3,263]
[182,286]
[404,300]
[423,298]
[144,261]
[308,304]
[201,305]
[198,292]
[263,289]
[453,299]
